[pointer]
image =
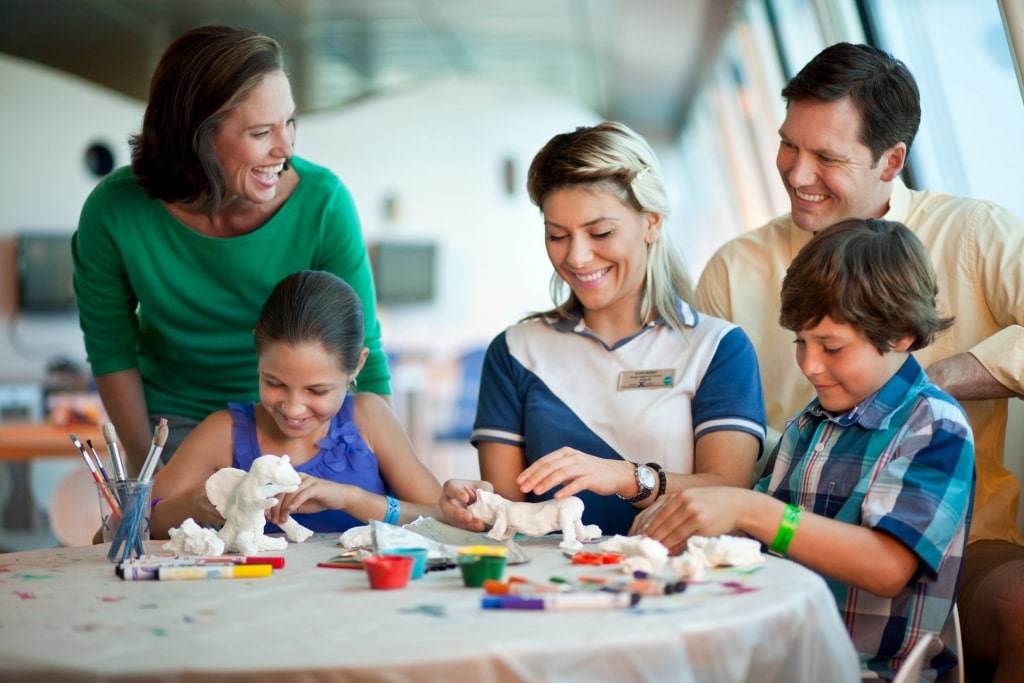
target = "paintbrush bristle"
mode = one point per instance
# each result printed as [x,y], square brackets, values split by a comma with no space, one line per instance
[109,433]
[162,431]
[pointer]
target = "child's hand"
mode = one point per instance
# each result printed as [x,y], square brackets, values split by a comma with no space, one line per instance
[703,511]
[207,514]
[313,495]
[456,497]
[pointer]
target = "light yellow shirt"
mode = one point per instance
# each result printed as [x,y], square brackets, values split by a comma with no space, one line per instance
[977,249]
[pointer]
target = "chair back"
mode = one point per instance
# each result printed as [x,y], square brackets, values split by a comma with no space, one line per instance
[471,366]
[74,512]
[910,671]
[954,640]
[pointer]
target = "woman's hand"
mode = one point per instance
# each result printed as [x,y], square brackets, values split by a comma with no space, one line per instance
[577,471]
[456,497]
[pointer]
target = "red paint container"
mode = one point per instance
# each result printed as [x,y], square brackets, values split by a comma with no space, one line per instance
[388,571]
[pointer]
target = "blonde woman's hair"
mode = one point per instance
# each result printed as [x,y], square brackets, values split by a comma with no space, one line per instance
[611,157]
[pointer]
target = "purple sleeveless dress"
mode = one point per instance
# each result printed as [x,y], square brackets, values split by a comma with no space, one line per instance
[344,457]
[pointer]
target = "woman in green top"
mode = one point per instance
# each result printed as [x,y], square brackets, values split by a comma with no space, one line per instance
[175,255]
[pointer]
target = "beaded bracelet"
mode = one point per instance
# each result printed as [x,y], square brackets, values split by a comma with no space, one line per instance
[394,510]
[787,527]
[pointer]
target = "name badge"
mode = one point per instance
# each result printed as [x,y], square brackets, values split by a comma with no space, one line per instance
[646,379]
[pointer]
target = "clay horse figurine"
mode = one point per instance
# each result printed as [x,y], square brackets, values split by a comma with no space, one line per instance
[534,519]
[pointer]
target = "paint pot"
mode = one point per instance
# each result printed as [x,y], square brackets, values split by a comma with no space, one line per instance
[419,555]
[388,571]
[479,568]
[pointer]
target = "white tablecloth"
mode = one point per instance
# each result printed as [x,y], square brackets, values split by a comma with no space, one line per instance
[64,615]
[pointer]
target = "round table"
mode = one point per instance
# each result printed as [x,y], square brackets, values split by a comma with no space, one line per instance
[64,615]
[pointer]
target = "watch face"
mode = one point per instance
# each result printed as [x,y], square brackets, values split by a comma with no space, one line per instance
[646,477]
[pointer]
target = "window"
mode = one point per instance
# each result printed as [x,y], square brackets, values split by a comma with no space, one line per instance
[404,272]
[45,273]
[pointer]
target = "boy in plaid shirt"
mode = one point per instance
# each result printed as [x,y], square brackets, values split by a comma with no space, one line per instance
[873,482]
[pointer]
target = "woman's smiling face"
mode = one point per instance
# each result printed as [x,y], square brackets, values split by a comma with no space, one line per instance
[256,139]
[598,245]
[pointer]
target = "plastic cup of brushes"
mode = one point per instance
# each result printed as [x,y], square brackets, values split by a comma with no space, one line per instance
[125,517]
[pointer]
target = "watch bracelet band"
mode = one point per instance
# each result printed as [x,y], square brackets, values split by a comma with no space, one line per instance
[662,478]
[641,493]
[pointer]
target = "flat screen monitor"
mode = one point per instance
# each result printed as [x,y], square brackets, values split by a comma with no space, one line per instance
[45,271]
[404,272]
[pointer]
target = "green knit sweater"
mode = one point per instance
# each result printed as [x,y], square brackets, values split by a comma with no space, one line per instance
[181,306]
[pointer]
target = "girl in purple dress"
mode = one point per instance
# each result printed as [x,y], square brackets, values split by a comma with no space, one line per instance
[355,461]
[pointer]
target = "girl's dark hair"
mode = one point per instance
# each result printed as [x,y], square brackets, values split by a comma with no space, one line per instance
[203,74]
[869,273]
[313,306]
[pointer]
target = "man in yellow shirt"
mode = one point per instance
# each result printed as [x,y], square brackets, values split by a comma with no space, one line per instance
[852,114]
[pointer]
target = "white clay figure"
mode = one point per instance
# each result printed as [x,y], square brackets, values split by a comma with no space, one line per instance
[534,519]
[242,497]
[192,539]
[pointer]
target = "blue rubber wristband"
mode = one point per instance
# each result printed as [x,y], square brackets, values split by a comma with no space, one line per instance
[394,510]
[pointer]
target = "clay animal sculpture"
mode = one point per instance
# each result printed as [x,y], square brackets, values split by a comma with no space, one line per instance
[243,497]
[508,517]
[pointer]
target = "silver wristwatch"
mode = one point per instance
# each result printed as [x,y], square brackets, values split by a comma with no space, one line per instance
[646,481]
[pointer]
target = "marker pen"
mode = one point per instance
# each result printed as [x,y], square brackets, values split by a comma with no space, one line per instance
[148,567]
[215,571]
[648,587]
[640,584]
[562,601]
[510,587]
[275,561]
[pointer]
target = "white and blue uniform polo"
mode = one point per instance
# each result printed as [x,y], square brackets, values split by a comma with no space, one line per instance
[551,383]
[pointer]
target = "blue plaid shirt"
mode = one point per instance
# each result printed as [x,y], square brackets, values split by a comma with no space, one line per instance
[902,462]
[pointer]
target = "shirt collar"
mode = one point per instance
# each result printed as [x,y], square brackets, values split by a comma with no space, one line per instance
[899,202]
[899,205]
[876,411]
[574,323]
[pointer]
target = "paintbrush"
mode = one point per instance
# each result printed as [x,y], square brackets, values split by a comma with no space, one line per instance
[114,507]
[134,510]
[99,460]
[110,435]
[157,447]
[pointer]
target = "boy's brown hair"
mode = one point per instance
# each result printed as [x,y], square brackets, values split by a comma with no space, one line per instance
[871,274]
